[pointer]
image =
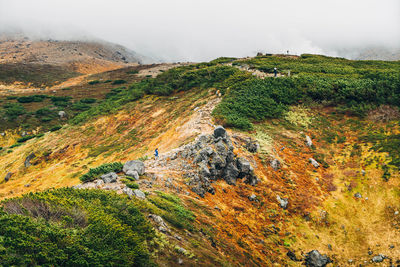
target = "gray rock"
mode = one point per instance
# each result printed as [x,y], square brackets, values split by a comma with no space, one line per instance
[139,194]
[134,165]
[181,250]
[28,159]
[275,164]
[219,131]
[378,258]
[203,170]
[313,162]
[308,141]
[363,172]
[252,197]
[128,191]
[244,166]
[99,182]
[162,226]
[252,146]
[27,185]
[8,176]
[180,261]
[315,259]
[133,174]
[283,202]
[62,114]
[231,174]
[110,177]
[357,195]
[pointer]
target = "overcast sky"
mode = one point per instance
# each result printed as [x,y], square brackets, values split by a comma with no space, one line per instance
[197,30]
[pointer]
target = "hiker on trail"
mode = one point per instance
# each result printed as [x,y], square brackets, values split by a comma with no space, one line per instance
[156,153]
[275,72]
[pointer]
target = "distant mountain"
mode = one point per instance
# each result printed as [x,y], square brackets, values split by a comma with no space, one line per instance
[80,56]
[372,53]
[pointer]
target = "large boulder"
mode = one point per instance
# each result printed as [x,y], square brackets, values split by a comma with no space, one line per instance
[110,177]
[133,174]
[62,114]
[28,159]
[219,131]
[139,194]
[313,162]
[134,165]
[315,259]
[244,166]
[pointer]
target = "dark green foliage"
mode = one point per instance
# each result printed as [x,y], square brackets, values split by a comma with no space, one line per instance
[45,114]
[88,100]
[15,145]
[93,82]
[25,138]
[118,82]
[131,185]
[61,101]
[385,143]
[13,110]
[33,98]
[79,106]
[70,227]
[132,72]
[102,169]
[174,212]
[55,128]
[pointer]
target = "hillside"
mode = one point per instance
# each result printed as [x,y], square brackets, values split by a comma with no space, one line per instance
[309,161]
[45,63]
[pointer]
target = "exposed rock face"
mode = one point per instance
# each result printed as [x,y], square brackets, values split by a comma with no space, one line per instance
[252,146]
[109,177]
[214,157]
[378,258]
[139,194]
[134,165]
[28,159]
[162,226]
[315,259]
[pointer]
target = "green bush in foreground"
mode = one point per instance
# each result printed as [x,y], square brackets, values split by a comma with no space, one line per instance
[102,169]
[71,227]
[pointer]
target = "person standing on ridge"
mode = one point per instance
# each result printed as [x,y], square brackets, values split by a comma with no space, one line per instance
[156,153]
[275,72]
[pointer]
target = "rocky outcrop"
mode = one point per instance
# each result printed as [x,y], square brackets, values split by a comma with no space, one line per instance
[315,259]
[214,159]
[28,159]
[133,166]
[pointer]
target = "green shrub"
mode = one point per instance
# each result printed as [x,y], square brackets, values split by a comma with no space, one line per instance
[71,227]
[118,82]
[15,145]
[102,169]
[32,98]
[25,138]
[174,212]
[93,82]
[79,106]
[45,114]
[14,110]
[61,101]
[88,100]
[55,128]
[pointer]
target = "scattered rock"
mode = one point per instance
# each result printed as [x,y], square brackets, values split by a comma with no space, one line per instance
[181,250]
[28,159]
[219,131]
[275,164]
[396,212]
[180,261]
[128,191]
[391,246]
[357,195]
[378,258]
[313,162]
[8,176]
[162,226]
[62,114]
[283,202]
[292,255]
[139,194]
[253,197]
[315,259]
[27,185]
[133,174]
[99,182]
[178,237]
[134,165]
[363,172]
[110,177]
[308,141]
[252,146]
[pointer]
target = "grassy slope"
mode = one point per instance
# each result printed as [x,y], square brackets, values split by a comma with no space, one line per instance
[256,233]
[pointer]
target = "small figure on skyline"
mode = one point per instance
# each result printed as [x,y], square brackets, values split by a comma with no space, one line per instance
[275,72]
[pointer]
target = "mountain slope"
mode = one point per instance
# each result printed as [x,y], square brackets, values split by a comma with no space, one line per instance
[341,113]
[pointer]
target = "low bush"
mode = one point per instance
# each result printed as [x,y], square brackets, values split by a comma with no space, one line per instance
[71,227]
[32,98]
[13,110]
[25,138]
[102,169]
[55,128]
[93,82]
[118,82]
[88,100]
